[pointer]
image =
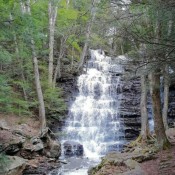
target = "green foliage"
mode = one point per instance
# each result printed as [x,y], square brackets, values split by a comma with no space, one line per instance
[5,56]
[54,102]
[5,95]
[11,101]
[17,84]
[53,97]
[73,41]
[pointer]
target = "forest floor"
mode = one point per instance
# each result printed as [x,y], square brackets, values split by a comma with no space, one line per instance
[164,164]
[27,125]
[12,130]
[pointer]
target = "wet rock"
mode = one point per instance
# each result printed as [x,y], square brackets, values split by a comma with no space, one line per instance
[15,166]
[73,148]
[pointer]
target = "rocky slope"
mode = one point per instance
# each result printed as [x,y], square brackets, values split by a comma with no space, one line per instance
[27,151]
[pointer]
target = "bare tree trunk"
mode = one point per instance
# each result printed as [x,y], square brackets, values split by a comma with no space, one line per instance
[166,83]
[52,19]
[38,87]
[26,9]
[72,59]
[154,78]
[166,96]
[67,3]
[88,33]
[57,72]
[82,58]
[122,51]
[143,108]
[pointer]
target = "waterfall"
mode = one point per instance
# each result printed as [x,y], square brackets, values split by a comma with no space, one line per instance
[94,119]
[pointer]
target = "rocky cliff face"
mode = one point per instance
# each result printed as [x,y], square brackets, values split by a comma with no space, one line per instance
[130,107]
[171,110]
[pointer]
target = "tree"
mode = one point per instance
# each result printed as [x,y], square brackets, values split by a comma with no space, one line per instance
[143,108]
[25,8]
[88,33]
[154,78]
[52,10]
[148,23]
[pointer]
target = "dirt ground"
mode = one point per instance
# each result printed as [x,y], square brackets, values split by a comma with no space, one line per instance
[29,126]
[164,164]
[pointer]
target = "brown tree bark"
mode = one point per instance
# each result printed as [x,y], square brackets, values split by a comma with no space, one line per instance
[166,82]
[166,96]
[52,10]
[159,129]
[143,108]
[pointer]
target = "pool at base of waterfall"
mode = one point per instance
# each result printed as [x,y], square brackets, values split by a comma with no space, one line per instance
[75,166]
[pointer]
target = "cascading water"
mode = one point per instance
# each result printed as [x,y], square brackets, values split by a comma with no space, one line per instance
[94,120]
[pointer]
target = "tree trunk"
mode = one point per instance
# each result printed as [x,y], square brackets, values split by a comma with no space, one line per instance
[52,19]
[57,72]
[72,59]
[82,58]
[38,87]
[159,129]
[26,9]
[166,82]
[88,33]
[143,107]
[166,96]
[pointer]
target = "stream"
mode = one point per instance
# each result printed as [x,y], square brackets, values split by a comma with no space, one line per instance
[93,127]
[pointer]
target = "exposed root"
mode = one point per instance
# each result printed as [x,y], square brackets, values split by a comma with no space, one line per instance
[140,142]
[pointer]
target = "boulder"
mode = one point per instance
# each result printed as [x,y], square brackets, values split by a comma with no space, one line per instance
[128,162]
[3,125]
[19,132]
[34,145]
[15,166]
[171,135]
[37,144]
[13,147]
[55,149]
[73,148]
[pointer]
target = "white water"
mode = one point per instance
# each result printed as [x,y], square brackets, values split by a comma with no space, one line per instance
[93,116]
